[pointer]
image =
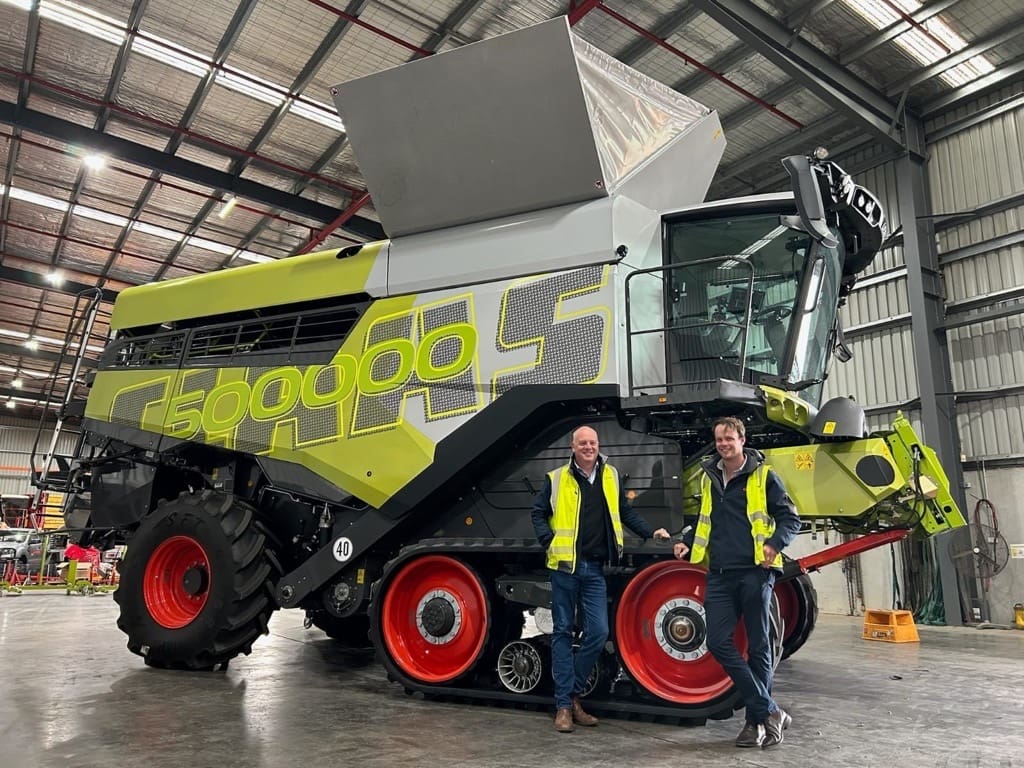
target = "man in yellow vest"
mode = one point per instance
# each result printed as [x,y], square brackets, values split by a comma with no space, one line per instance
[578,517]
[746,518]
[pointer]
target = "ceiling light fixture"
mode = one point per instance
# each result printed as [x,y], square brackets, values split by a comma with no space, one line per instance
[55,278]
[227,207]
[17,383]
[95,161]
[32,344]
[10,404]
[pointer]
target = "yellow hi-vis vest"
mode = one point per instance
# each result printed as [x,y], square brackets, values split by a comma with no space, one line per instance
[566,500]
[762,525]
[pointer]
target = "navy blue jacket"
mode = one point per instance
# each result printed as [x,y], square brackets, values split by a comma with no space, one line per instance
[732,544]
[541,515]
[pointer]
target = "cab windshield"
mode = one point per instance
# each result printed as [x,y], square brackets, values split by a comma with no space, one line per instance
[749,299]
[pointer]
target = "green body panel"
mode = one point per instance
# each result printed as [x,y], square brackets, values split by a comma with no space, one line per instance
[300,278]
[942,512]
[822,479]
[786,408]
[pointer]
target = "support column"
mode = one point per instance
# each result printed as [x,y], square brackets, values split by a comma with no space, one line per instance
[935,381]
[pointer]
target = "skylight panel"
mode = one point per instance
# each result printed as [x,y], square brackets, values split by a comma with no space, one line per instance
[927,46]
[83,19]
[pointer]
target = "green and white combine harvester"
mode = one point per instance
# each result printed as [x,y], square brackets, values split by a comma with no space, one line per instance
[359,433]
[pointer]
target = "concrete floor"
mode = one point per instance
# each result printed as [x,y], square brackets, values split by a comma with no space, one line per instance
[74,697]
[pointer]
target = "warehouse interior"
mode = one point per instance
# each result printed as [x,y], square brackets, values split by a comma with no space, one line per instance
[148,141]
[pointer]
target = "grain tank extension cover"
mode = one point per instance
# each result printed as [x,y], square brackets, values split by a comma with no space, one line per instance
[529,120]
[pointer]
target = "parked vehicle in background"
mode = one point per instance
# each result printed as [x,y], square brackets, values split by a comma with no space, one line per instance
[24,547]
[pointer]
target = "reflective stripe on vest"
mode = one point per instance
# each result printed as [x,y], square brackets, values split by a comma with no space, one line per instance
[762,525]
[566,499]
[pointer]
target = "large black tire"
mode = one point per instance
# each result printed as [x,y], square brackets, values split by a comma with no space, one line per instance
[801,601]
[234,585]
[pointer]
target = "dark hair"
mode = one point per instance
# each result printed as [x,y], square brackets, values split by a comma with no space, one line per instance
[730,422]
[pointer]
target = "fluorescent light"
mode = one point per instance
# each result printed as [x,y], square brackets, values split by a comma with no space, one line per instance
[176,56]
[97,215]
[25,5]
[36,199]
[227,207]
[13,334]
[318,113]
[256,258]
[210,245]
[261,90]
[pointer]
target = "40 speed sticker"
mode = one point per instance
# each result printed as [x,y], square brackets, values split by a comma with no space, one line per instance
[342,549]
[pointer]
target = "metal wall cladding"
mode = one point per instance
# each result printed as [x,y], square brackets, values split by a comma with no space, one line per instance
[876,302]
[881,371]
[978,166]
[992,428]
[997,270]
[988,355]
[16,439]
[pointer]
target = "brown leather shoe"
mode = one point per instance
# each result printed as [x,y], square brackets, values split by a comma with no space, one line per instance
[563,720]
[579,715]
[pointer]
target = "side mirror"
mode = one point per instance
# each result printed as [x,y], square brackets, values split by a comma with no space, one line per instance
[808,199]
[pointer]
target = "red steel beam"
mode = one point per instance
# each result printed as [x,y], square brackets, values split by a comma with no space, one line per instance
[851,548]
[579,10]
[344,216]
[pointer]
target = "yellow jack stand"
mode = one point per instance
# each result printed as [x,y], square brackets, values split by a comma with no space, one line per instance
[890,627]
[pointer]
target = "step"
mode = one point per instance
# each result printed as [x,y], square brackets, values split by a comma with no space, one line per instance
[890,627]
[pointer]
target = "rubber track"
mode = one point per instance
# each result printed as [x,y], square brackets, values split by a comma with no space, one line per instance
[638,706]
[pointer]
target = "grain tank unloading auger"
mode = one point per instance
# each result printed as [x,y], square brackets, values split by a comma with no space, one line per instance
[360,433]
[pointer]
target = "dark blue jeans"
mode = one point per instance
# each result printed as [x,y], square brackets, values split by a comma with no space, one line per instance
[731,595]
[586,588]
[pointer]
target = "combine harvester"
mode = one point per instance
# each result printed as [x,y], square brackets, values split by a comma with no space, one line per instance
[360,433]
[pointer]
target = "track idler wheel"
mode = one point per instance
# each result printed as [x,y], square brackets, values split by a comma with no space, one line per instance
[434,619]
[520,666]
[661,634]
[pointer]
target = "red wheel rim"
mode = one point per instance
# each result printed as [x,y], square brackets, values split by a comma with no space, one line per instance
[434,619]
[789,608]
[661,635]
[176,583]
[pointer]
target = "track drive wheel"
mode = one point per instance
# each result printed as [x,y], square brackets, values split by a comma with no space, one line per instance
[798,604]
[661,635]
[195,582]
[432,620]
